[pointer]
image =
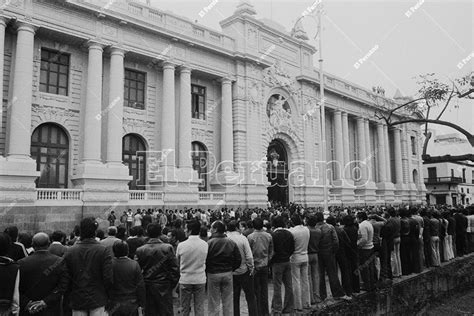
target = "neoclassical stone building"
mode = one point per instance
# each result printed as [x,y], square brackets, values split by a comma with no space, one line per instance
[116,104]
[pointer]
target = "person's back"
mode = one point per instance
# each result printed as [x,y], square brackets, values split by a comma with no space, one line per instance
[43,279]
[111,238]
[16,250]
[192,254]
[57,248]
[135,241]
[128,291]
[221,255]
[328,242]
[301,237]
[283,245]
[434,227]
[10,279]
[90,268]
[160,272]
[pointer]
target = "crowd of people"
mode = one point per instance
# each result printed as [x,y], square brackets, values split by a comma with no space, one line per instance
[147,257]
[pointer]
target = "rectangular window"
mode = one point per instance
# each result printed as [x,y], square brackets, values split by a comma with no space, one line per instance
[432,173]
[198,99]
[54,72]
[413,145]
[134,89]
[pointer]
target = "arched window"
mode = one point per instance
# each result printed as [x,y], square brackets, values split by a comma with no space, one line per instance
[199,157]
[50,149]
[134,156]
[415,176]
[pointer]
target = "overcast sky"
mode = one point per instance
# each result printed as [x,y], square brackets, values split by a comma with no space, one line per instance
[406,38]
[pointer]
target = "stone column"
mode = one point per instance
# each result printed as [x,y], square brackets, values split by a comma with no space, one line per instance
[227,138]
[3,25]
[388,170]
[185,118]
[381,152]
[409,155]
[19,136]
[368,151]
[168,133]
[115,107]
[338,143]
[18,170]
[345,145]
[398,156]
[362,148]
[92,109]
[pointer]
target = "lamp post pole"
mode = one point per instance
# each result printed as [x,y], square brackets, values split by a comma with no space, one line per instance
[322,104]
[322,109]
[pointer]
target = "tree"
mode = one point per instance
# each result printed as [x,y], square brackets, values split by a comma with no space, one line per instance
[433,93]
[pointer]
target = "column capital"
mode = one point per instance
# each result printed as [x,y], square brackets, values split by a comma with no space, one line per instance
[185,69]
[117,50]
[93,44]
[24,26]
[360,119]
[344,113]
[227,80]
[167,64]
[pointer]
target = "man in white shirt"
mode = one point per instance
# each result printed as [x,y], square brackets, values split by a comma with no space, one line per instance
[192,254]
[299,264]
[366,251]
[243,276]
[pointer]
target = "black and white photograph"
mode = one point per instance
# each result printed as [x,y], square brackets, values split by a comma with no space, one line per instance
[236,157]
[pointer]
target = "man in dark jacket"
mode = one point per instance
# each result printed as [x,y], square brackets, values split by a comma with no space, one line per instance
[135,240]
[283,248]
[43,280]
[461,233]
[16,251]
[160,272]
[128,291]
[223,257]
[89,265]
[10,279]
[328,245]
[57,246]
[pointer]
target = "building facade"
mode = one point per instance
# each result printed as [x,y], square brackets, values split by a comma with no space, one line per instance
[449,183]
[116,104]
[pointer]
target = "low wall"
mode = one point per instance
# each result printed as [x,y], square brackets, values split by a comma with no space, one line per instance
[411,295]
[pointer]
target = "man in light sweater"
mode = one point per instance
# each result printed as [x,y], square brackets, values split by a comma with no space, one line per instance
[366,252]
[243,277]
[299,264]
[192,254]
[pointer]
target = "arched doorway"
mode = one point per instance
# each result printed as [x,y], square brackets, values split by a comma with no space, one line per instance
[277,173]
[50,149]
[199,158]
[134,156]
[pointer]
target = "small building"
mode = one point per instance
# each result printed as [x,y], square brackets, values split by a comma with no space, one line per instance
[448,182]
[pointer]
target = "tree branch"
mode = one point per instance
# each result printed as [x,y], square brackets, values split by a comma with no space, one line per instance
[447,103]
[468,135]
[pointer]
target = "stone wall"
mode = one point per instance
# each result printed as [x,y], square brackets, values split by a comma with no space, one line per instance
[412,295]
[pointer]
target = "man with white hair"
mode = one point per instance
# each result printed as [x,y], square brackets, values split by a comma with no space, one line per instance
[111,239]
[43,279]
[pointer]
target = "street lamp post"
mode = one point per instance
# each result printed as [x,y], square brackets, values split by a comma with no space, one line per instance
[322,109]
[322,100]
